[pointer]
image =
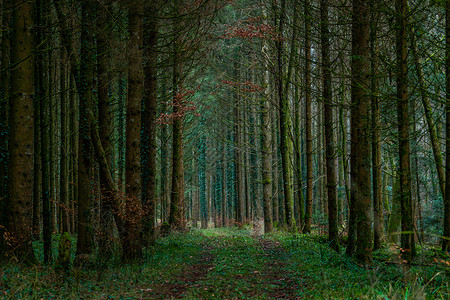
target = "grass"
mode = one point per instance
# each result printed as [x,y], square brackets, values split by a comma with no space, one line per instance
[230,263]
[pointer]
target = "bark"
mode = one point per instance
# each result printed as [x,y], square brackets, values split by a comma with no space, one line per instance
[20,145]
[177,201]
[84,242]
[286,147]
[376,137]
[132,248]
[238,160]
[446,238]
[64,149]
[149,122]
[105,118]
[266,137]
[331,167]
[4,104]
[407,226]
[224,186]
[308,127]
[360,131]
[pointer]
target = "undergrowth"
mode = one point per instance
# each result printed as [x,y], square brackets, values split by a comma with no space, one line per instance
[240,266]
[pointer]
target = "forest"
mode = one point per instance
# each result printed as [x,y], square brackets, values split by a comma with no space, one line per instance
[224,149]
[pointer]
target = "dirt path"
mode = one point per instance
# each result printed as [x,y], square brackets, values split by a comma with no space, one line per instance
[187,279]
[282,282]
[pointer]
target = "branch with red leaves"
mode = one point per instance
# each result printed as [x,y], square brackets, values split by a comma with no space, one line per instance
[252,28]
[182,104]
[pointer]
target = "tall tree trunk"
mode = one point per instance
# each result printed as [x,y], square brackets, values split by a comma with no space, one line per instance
[84,243]
[360,130]
[446,239]
[238,161]
[4,104]
[177,201]
[308,112]
[64,162]
[376,137]
[105,119]
[132,247]
[407,227]
[285,129]
[331,167]
[42,97]
[224,186]
[266,137]
[20,146]
[149,122]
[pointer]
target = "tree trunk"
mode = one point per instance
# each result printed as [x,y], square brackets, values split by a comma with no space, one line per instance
[149,123]
[285,130]
[331,167]
[266,137]
[105,119]
[20,146]
[84,243]
[360,131]
[376,137]
[308,127]
[132,247]
[177,201]
[64,149]
[4,104]
[407,227]
[446,239]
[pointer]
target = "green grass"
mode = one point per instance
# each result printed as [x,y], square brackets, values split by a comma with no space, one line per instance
[240,266]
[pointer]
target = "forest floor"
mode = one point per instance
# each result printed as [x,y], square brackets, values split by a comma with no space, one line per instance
[231,263]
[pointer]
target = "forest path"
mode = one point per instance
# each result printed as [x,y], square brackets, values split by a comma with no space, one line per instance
[233,267]
[231,263]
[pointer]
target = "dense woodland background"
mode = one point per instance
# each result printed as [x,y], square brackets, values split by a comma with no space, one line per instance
[124,120]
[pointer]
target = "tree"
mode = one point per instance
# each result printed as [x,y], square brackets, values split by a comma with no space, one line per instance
[360,130]
[407,226]
[132,242]
[85,89]
[177,201]
[309,138]
[20,146]
[286,147]
[376,138]
[149,119]
[329,133]
[446,238]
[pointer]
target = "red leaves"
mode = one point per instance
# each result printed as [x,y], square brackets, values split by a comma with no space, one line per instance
[252,28]
[181,105]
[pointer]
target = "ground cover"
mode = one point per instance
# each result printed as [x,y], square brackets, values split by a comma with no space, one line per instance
[232,263]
